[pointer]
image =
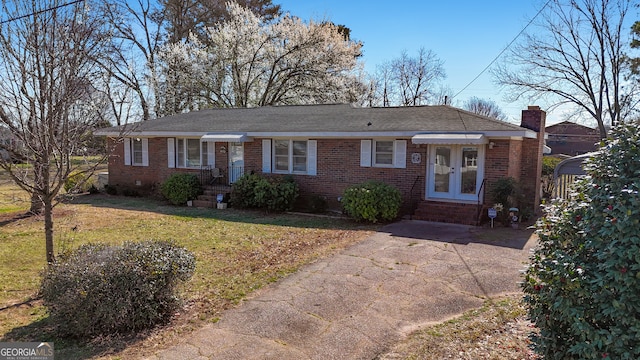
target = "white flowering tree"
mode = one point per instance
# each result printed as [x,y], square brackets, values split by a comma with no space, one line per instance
[247,61]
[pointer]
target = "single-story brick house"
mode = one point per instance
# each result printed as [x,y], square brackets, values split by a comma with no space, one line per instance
[441,158]
[572,139]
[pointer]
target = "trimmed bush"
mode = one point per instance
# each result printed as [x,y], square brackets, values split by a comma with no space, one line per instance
[180,187]
[582,286]
[372,201]
[259,192]
[101,290]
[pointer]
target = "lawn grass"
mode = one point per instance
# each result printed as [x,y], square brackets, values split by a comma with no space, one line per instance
[237,252]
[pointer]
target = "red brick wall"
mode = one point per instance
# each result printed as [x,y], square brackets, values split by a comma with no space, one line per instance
[531,173]
[338,166]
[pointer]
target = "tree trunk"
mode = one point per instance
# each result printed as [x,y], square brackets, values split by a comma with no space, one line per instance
[36,204]
[48,230]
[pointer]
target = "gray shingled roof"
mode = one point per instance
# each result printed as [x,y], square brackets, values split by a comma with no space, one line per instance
[337,118]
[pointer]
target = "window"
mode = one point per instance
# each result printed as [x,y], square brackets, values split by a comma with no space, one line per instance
[290,156]
[136,151]
[188,152]
[383,155]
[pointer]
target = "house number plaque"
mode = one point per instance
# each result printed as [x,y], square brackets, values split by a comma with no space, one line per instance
[416,158]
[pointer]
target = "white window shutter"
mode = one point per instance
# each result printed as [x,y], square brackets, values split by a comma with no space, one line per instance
[211,153]
[365,153]
[400,154]
[171,152]
[127,151]
[145,152]
[312,156]
[266,156]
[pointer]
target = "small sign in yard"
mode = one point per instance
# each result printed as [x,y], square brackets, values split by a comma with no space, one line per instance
[493,213]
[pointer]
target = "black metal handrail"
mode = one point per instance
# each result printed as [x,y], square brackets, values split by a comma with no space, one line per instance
[413,205]
[479,214]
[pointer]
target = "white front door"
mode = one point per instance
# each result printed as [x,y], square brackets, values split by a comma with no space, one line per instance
[455,171]
[236,161]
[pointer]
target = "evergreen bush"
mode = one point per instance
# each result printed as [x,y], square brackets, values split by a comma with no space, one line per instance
[372,201]
[259,192]
[181,187]
[101,290]
[582,285]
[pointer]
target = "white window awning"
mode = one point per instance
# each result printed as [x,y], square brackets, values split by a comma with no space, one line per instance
[237,137]
[450,139]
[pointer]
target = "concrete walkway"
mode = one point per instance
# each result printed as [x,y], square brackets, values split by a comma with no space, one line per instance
[356,304]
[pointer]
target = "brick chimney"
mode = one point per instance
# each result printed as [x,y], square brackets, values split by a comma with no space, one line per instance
[531,172]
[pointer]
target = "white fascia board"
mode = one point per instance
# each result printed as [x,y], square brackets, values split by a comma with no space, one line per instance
[322,134]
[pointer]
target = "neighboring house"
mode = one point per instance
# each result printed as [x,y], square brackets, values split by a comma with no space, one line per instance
[441,158]
[571,139]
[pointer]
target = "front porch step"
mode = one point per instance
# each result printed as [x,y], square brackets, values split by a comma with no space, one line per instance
[204,203]
[209,197]
[447,212]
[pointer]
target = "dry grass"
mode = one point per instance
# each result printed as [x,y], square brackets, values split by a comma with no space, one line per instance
[237,252]
[497,331]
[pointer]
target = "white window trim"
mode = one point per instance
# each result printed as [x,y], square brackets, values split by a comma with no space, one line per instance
[454,193]
[368,154]
[185,142]
[269,157]
[128,152]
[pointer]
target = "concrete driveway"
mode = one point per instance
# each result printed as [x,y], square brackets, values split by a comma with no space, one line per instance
[356,304]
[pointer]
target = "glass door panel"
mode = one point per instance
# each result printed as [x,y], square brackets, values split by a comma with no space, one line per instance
[469,170]
[236,161]
[442,169]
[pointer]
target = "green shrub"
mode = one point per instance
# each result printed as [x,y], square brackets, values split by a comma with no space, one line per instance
[372,201]
[256,191]
[77,182]
[180,187]
[506,191]
[583,282]
[100,290]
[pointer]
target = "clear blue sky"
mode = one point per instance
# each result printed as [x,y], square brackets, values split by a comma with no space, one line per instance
[466,34]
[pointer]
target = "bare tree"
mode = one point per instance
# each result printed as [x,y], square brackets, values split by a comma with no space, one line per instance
[410,81]
[46,94]
[248,61]
[136,36]
[483,107]
[576,57]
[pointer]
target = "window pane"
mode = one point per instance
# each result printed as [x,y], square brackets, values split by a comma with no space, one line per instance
[282,163]
[299,148]
[299,163]
[205,153]
[281,147]
[137,151]
[180,145]
[469,170]
[384,152]
[442,169]
[193,152]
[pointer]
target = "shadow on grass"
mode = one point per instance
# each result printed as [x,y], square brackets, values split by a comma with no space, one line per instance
[69,348]
[231,214]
